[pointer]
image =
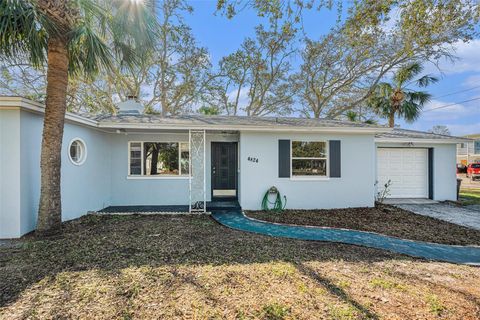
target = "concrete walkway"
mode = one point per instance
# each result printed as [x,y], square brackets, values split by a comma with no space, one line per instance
[394,201]
[7,243]
[448,212]
[235,219]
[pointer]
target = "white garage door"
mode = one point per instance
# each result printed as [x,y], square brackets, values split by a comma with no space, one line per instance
[407,169]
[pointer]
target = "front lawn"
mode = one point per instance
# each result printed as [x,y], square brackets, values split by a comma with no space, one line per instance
[470,196]
[190,267]
[383,219]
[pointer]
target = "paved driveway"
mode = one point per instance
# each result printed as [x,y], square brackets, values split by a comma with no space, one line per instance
[467,183]
[468,217]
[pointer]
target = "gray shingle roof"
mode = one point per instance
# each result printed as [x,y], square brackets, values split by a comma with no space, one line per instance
[227,121]
[402,134]
[220,122]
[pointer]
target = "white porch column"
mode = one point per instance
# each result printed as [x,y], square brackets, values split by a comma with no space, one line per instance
[198,194]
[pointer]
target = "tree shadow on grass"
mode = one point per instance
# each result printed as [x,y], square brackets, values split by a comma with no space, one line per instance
[111,243]
[336,291]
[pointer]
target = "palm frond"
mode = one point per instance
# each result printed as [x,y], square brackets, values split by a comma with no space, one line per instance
[407,73]
[426,80]
[22,31]
[351,115]
[413,105]
[410,110]
[379,104]
[419,97]
[111,32]
[87,51]
[370,121]
[134,29]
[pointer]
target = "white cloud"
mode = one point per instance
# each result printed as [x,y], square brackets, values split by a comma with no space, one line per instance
[243,98]
[458,118]
[464,129]
[431,113]
[472,81]
[468,59]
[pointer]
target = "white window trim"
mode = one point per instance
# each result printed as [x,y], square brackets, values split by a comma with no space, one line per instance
[313,177]
[84,151]
[154,177]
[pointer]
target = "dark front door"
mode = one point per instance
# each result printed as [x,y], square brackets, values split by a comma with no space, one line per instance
[224,170]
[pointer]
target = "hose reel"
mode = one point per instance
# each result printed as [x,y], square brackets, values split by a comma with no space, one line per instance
[277,205]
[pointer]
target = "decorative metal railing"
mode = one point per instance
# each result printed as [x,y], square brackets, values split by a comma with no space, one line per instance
[198,194]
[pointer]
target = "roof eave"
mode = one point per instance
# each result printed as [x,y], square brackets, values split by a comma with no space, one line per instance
[419,140]
[114,125]
[14,103]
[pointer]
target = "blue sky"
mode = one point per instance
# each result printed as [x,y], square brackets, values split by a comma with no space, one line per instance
[222,36]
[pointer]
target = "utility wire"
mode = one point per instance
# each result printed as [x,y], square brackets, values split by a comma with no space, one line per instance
[456,92]
[452,104]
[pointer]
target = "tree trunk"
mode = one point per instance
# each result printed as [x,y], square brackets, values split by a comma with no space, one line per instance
[154,163]
[50,208]
[391,119]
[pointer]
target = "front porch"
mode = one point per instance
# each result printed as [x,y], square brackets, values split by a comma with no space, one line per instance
[185,170]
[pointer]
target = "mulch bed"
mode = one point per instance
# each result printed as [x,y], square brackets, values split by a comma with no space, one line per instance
[382,219]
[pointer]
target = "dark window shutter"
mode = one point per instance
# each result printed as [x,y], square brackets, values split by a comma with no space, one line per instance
[284,158]
[335,158]
[430,173]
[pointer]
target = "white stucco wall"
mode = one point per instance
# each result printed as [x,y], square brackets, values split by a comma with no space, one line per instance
[444,168]
[143,190]
[153,190]
[445,172]
[355,188]
[10,224]
[86,187]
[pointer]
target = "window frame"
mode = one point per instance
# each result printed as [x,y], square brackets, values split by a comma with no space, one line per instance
[83,148]
[326,158]
[163,176]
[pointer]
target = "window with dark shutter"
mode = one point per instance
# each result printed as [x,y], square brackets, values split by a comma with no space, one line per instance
[284,158]
[335,158]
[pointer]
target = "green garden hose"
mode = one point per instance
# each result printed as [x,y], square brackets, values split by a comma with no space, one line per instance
[278,206]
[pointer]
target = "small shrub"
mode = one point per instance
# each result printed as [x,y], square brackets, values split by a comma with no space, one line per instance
[275,311]
[240,315]
[342,313]
[344,284]
[436,306]
[383,193]
[386,284]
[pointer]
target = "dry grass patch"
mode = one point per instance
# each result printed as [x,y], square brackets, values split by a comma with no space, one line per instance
[382,219]
[189,267]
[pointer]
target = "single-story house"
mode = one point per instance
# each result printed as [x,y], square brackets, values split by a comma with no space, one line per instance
[131,158]
[469,152]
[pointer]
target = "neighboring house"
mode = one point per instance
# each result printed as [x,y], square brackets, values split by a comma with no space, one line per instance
[136,159]
[469,152]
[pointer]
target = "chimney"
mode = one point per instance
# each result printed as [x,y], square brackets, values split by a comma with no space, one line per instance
[130,106]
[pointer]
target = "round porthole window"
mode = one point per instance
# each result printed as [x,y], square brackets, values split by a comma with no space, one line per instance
[77,151]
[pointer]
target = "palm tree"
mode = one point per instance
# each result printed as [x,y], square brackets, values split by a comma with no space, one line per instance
[358,117]
[70,37]
[397,99]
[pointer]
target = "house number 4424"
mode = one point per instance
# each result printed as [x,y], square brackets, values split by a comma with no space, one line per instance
[252,159]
